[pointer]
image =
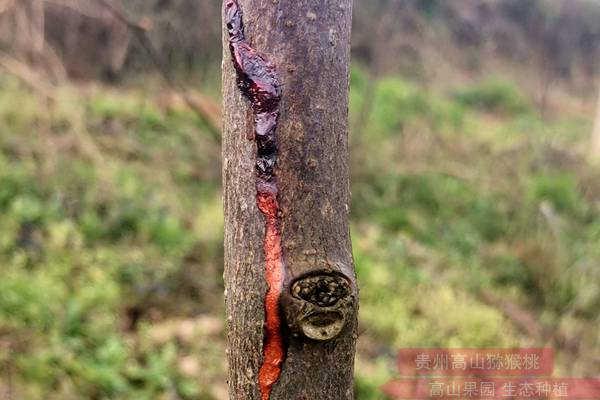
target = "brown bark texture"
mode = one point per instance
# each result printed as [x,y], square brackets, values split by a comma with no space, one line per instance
[308,41]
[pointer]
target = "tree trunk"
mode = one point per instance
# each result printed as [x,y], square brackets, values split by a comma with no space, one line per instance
[291,293]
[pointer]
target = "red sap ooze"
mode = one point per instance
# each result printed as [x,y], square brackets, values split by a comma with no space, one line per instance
[273,344]
[258,81]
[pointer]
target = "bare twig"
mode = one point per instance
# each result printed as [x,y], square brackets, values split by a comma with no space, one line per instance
[78,7]
[6,5]
[26,75]
[595,148]
[143,25]
[140,29]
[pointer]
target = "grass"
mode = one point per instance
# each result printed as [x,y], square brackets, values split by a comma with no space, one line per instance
[96,245]
[111,236]
[494,95]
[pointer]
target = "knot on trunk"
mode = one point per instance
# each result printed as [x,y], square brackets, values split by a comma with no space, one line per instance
[317,305]
[322,290]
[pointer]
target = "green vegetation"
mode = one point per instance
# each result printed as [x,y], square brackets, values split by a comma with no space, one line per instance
[111,231]
[494,96]
[480,199]
[107,207]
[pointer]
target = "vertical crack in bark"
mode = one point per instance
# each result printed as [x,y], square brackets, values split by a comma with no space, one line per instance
[258,81]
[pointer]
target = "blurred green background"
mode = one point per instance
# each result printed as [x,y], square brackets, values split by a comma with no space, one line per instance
[475,190]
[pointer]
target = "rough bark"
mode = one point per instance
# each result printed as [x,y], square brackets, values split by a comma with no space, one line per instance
[308,41]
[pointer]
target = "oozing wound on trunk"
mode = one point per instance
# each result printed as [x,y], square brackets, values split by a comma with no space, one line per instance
[258,81]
